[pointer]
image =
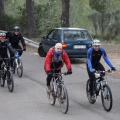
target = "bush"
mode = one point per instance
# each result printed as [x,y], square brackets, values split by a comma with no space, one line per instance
[7,22]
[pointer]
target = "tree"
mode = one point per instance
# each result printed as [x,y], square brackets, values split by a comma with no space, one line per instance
[65,13]
[32,31]
[2,10]
[100,6]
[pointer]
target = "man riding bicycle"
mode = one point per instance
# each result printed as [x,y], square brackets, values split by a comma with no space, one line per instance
[93,62]
[14,38]
[54,61]
[4,45]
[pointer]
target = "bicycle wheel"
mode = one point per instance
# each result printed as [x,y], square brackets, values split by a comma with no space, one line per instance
[10,81]
[106,96]
[14,66]
[51,95]
[20,68]
[2,80]
[63,98]
[88,93]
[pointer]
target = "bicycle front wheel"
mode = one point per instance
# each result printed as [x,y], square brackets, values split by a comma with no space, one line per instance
[106,96]
[10,81]
[51,94]
[14,67]
[20,68]
[63,99]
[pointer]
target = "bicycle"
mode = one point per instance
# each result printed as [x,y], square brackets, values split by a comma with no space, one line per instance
[58,90]
[5,74]
[17,65]
[100,84]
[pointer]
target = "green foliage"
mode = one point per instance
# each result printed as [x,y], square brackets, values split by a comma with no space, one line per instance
[7,22]
[22,21]
[99,5]
[114,26]
[47,16]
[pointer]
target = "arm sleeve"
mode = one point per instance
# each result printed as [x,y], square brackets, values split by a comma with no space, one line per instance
[106,58]
[10,47]
[8,35]
[48,61]
[67,60]
[22,41]
[89,59]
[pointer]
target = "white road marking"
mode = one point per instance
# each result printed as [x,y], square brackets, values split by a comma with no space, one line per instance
[36,53]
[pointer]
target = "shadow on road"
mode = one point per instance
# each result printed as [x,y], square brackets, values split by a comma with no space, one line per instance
[78,60]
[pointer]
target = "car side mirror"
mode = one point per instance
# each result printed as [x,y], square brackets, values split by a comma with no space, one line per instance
[44,37]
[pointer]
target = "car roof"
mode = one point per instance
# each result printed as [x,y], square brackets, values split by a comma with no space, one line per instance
[68,28]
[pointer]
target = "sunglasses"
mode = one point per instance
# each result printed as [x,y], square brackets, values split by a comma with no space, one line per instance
[1,37]
[16,30]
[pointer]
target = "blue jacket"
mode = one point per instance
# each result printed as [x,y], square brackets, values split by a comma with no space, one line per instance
[93,57]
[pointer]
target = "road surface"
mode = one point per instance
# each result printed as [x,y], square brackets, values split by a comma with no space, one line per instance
[29,100]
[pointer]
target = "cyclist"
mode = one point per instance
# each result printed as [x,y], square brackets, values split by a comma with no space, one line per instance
[4,45]
[93,62]
[14,38]
[54,61]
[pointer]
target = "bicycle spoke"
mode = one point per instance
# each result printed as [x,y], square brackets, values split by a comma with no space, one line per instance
[63,99]
[106,96]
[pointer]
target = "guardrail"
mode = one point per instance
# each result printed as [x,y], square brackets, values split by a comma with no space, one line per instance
[28,41]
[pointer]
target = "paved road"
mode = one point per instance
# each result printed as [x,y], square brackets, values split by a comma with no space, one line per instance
[29,100]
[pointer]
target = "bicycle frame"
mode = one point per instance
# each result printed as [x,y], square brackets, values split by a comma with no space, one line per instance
[57,81]
[101,78]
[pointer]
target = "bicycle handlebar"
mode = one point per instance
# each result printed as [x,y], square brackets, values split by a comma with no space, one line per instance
[6,58]
[18,49]
[102,73]
[106,71]
[56,74]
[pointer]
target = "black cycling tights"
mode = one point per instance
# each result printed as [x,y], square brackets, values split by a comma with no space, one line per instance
[98,66]
[49,77]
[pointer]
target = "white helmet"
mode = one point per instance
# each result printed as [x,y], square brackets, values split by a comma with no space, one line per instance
[96,42]
[2,34]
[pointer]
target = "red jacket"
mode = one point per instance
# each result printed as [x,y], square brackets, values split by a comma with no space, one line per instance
[48,60]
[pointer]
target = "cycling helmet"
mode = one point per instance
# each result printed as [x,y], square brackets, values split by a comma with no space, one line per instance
[16,28]
[96,42]
[2,35]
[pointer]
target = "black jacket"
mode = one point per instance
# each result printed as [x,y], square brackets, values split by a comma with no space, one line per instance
[3,48]
[14,39]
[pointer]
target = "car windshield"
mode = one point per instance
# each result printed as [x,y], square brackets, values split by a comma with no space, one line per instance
[76,35]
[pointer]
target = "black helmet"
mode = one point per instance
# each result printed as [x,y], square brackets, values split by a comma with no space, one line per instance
[16,28]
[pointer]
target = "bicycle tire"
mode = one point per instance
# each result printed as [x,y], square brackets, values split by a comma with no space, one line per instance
[51,95]
[107,97]
[14,66]
[2,81]
[20,68]
[63,98]
[10,81]
[88,92]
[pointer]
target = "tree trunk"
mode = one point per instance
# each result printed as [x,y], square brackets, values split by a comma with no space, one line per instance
[32,31]
[2,10]
[102,24]
[65,13]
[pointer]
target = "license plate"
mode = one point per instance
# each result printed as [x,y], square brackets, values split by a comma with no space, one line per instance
[79,46]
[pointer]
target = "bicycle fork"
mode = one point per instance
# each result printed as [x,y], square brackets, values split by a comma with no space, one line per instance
[16,61]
